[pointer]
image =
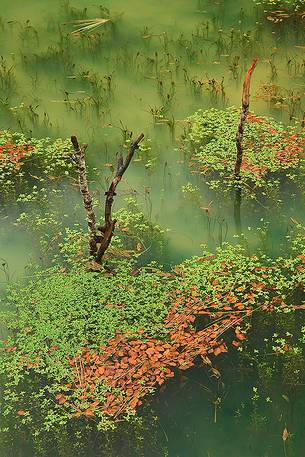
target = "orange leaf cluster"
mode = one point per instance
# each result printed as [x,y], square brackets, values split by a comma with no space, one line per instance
[130,368]
[258,170]
[288,148]
[10,152]
[256,119]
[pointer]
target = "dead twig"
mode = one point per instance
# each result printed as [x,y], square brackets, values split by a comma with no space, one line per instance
[243,118]
[99,243]
[109,223]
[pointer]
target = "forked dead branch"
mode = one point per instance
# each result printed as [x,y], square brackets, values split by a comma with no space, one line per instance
[97,250]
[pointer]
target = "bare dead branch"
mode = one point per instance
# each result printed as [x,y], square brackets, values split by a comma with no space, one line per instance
[79,158]
[243,118]
[109,223]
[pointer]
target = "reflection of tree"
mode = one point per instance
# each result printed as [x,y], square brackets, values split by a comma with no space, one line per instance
[5,269]
[237,205]
[243,119]
[212,225]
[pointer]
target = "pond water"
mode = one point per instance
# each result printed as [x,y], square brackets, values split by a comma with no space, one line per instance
[157,64]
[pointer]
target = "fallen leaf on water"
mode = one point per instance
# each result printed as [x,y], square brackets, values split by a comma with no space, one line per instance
[285,434]
[61,399]
[89,413]
[11,349]
[219,350]
[21,412]
[240,336]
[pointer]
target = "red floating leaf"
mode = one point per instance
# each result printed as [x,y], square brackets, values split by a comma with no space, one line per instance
[219,350]
[21,412]
[240,336]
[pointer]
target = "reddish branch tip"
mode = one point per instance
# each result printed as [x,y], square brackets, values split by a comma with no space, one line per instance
[246,85]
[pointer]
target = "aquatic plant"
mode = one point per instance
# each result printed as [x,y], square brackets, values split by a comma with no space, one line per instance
[98,83]
[97,97]
[283,10]
[270,149]
[290,5]
[86,345]
[35,394]
[89,25]
[72,11]
[213,86]
[137,232]
[57,57]
[281,98]
[47,216]
[28,33]
[7,78]
[21,158]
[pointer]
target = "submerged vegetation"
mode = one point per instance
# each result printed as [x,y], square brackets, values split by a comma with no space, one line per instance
[279,11]
[288,5]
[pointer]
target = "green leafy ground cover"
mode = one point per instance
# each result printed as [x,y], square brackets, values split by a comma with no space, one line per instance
[75,335]
[22,158]
[64,322]
[271,151]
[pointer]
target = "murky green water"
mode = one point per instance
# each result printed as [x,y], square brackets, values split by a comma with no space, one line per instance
[149,63]
[150,56]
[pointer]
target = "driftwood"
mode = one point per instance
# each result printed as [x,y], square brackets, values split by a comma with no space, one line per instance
[243,118]
[79,158]
[109,223]
[98,244]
